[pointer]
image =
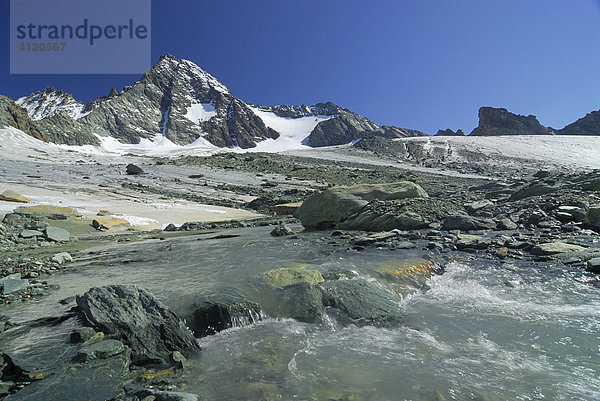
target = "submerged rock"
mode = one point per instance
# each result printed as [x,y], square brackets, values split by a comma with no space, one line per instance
[99,381]
[158,395]
[292,275]
[301,301]
[328,208]
[360,299]
[101,350]
[138,319]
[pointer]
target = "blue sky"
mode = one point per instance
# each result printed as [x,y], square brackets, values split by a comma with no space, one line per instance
[425,64]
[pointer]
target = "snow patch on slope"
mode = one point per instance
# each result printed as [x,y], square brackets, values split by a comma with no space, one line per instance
[198,112]
[293,131]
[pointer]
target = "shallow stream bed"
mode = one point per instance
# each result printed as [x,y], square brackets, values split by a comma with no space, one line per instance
[483,330]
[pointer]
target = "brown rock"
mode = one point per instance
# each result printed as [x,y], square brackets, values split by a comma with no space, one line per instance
[12,196]
[284,209]
[105,223]
[59,212]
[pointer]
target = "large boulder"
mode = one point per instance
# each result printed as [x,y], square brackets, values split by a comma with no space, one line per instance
[326,209]
[139,320]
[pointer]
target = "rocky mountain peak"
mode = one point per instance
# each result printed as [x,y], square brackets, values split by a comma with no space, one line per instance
[46,103]
[450,132]
[499,121]
[588,125]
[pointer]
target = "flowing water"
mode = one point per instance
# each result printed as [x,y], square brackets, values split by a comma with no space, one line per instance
[483,330]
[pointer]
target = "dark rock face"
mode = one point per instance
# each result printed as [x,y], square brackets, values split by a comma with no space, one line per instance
[179,100]
[588,125]
[496,121]
[12,115]
[347,126]
[449,132]
[139,320]
[61,128]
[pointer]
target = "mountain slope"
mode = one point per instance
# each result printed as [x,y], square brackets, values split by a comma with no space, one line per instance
[588,125]
[12,115]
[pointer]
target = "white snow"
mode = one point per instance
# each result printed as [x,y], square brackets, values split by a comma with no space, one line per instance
[159,146]
[292,131]
[135,220]
[199,112]
[572,151]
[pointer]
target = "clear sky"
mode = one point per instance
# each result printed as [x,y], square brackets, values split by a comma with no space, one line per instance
[422,64]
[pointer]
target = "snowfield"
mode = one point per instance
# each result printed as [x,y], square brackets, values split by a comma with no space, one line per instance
[293,131]
[553,151]
[557,150]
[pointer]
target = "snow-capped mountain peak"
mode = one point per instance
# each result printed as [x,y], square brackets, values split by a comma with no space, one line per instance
[46,103]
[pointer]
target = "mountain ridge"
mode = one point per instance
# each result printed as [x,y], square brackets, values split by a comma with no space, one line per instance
[178,100]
